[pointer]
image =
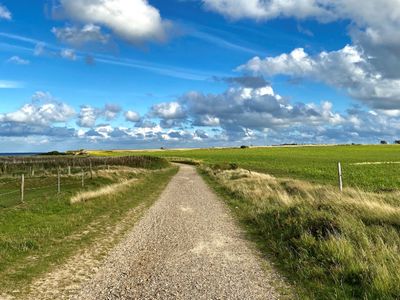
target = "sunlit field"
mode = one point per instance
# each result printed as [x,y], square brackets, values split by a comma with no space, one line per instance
[372,167]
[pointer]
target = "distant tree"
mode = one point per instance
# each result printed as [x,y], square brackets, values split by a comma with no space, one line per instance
[384,142]
[244,147]
[397,142]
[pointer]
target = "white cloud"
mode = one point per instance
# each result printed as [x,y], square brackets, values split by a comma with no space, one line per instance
[168,110]
[68,54]
[347,69]
[374,25]
[133,20]
[5,13]
[132,116]
[269,9]
[87,116]
[77,36]
[241,109]
[245,113]
[44,110]
[18,60]
[111,111]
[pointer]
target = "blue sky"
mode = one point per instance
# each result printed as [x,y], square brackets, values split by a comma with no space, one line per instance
[145,74]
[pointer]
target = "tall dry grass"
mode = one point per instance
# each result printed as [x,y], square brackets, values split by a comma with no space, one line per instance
[337,245]
[123,177]
[103,191]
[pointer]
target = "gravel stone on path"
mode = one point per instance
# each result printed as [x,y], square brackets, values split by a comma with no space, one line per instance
[187,246]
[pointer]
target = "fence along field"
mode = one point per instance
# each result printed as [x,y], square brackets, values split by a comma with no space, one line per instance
[21,176]
[48,227]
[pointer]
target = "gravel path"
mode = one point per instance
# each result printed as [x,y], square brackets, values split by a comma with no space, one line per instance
[187,246]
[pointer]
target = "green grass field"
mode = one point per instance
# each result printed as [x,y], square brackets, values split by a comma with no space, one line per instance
[315,164]
[46,229]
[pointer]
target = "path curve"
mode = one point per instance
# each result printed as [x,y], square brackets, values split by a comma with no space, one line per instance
[187,246]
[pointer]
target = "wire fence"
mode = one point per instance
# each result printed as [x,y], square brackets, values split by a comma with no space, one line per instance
[15,191]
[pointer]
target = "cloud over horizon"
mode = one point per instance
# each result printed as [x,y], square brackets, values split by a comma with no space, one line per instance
[243,113]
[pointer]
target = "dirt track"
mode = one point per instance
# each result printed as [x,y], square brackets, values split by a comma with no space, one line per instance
[186,247]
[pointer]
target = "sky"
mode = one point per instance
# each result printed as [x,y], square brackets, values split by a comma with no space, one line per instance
[133,74]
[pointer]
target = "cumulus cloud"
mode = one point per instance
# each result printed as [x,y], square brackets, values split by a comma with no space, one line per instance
[89,115]
[44,110]
[111,111]
[18,60]
[375,42]
[269,9]
[135,21]
[78,36]
[255,115]
[132,116]
[347,69]
[240,109]
[168,110]
[248,112]
[5,13]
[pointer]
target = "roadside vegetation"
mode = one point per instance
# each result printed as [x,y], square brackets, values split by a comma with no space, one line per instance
[368,167]
[330,245]
[48,227]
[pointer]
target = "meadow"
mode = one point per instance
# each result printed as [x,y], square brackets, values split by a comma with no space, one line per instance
[316,164]
[45,229]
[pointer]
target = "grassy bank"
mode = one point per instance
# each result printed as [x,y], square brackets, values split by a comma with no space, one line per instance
[330,245]
[316,164]
[47,229]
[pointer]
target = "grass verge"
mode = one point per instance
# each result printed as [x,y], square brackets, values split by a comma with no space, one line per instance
[47,229]
[330,245]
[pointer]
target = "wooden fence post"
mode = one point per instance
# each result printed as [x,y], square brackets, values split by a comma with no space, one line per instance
[58,181]
[340,177]
[69,170]
[22,187]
